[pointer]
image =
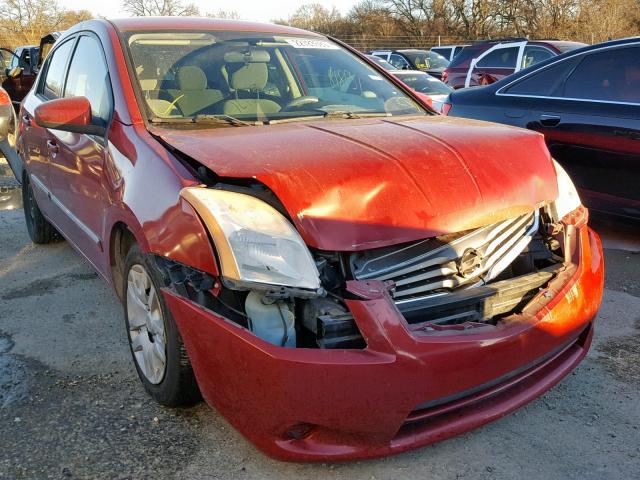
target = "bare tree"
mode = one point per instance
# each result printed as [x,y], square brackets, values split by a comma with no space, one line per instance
[159,8]
[225,15]
[26,21]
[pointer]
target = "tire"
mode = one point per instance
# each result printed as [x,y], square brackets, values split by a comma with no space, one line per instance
[174,384]
[39,228]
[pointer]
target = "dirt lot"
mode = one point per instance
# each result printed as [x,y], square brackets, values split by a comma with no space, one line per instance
[71,406]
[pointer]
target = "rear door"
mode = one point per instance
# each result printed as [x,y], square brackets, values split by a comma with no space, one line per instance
[597,137]
[588,108]
[495,63]
[77,160]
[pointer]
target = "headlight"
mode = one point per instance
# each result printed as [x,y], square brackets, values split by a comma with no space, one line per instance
[568,199]
[256,244]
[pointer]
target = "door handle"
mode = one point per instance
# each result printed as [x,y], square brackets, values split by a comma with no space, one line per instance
[26,120]
[549,120]
[630,134]
[53,147]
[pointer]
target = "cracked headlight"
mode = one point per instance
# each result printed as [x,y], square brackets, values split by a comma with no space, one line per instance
[255,243]
[568,199]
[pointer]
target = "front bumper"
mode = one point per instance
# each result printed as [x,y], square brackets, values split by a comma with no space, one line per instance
[407,388]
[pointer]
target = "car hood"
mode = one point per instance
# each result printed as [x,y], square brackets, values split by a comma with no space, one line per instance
[365,183]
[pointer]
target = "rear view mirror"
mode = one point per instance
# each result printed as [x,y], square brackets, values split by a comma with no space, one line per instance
[72,114]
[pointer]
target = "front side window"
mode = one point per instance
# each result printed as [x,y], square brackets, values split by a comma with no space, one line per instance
[257,77]
[611,75]
[89,77]
[54,78]
[500,58]
[398,61]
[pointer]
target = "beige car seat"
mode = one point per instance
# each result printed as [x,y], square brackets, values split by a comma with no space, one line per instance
[148,78]
[247,82]
[193,95]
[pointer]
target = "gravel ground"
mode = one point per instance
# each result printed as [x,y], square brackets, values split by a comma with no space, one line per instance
[71,406]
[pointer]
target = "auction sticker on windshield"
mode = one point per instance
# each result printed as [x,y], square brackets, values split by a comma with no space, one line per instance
[311,43]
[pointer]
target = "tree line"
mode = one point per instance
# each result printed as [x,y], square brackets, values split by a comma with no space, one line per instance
[424,23]
[375,23]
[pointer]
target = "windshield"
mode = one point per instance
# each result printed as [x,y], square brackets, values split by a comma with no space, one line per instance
[246,78]
[425,83]
[383,63]
[425,60]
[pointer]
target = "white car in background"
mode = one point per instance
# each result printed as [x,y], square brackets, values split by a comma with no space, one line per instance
[426,85]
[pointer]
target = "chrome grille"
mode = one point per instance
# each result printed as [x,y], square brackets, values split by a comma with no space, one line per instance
[444,263]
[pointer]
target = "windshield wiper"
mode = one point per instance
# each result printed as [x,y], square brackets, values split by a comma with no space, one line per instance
[336,114]
[222,118]
[205,119]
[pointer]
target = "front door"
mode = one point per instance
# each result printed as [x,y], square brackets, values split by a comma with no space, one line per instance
[495,63]
[77,160]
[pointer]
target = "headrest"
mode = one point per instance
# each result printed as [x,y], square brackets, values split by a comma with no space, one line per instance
[247,56]
[191,78]
[252,76]
[147,84]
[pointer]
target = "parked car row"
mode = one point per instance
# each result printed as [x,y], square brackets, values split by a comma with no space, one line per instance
[297,237]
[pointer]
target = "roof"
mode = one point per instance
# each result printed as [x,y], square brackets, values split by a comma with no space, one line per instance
[199,23]
[408,72]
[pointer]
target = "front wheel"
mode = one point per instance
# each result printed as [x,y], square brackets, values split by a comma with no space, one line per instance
[158,352]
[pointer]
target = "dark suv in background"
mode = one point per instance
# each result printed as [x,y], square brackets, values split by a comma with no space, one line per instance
[484,63]
[587,105]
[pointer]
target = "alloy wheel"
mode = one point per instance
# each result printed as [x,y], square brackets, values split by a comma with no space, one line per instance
[146,325]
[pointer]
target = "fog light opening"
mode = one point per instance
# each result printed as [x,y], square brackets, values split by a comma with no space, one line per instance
[298,431]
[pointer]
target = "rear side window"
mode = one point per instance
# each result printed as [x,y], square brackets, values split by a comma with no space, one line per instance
[463,58]
[444,51]
[89,77]
[56,71]
[534,54]
[547,82]
[500,58]
[612,75]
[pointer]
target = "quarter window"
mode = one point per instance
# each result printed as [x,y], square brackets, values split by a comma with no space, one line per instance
[547,82]
[500,58]
[56,71]
[612,75]
[89,77]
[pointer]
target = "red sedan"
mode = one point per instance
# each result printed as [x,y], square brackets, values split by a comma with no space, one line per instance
[294,236]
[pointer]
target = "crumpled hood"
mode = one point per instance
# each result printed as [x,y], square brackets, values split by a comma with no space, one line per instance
[357,184]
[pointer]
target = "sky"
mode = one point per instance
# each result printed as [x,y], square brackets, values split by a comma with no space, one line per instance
[254,10]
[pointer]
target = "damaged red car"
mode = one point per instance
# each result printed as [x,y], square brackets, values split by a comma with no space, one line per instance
[340,272]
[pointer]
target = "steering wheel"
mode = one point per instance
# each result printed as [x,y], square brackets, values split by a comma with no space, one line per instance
[300,101]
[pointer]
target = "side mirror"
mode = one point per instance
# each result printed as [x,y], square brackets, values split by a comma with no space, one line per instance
[72,114]
[15,72]
[426,99]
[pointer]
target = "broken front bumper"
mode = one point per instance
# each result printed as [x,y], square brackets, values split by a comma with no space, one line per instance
[407,388]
